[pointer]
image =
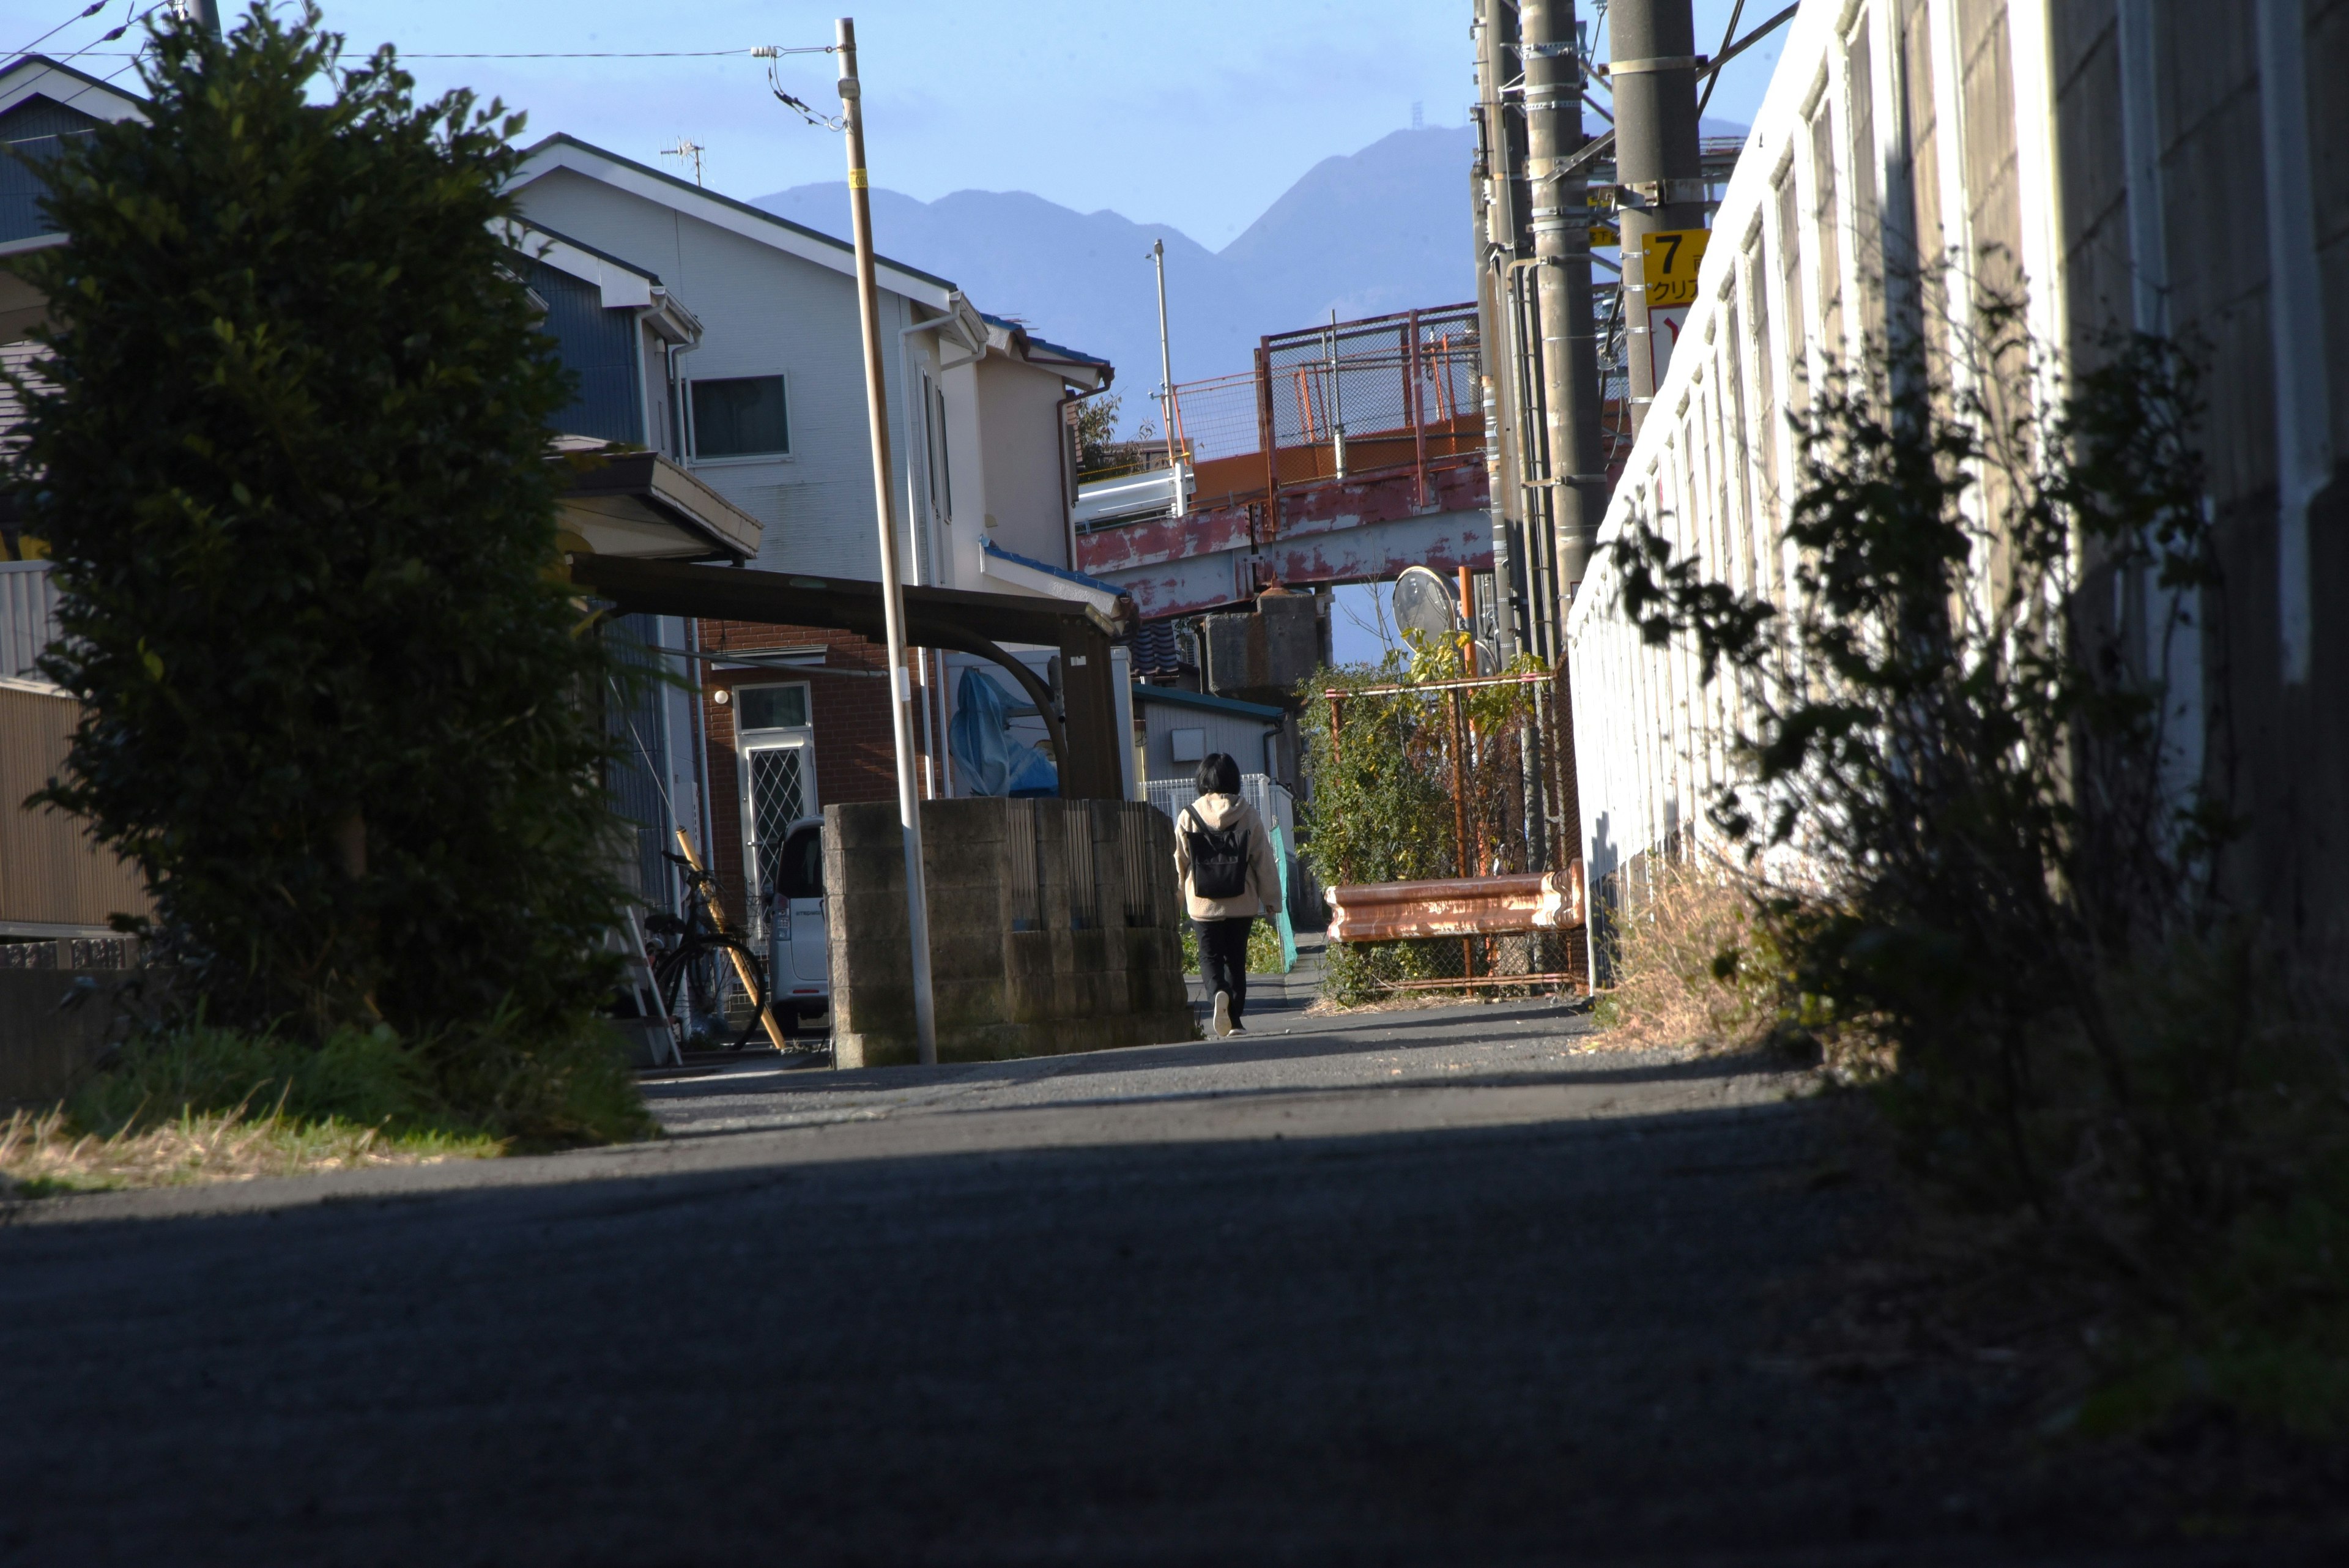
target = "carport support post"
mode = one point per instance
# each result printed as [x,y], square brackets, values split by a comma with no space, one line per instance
[892,590]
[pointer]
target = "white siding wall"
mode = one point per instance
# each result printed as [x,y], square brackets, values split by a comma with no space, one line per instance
[765,312]
[1651,739]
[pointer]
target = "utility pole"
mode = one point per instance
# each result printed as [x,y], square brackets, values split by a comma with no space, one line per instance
[1511,338]
[203,14]
[1166,376]
[893,588]
[1493,337]
[1659,166]
[1574,479]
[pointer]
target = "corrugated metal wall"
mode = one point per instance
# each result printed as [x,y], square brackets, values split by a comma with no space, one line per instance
[599,346]
[29,616]
[51,876]
[31,131]
[635,783]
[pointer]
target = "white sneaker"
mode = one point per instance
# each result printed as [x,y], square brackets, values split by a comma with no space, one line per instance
[1221,1025]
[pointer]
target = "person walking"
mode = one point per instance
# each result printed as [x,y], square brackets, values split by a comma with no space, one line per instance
[1223,857]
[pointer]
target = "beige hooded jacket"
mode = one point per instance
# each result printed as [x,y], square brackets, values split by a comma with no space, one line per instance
[1263,895]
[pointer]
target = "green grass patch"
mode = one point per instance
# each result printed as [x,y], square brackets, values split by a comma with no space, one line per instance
[200,1102]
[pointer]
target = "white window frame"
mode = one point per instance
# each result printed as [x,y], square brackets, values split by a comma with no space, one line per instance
[738,459]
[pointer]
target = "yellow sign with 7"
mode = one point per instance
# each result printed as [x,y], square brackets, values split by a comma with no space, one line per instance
[1670,258]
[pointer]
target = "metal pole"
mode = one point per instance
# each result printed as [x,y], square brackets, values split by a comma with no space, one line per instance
[893,591]
[1167,375]
[206,13]
[1561,223]
[1336,399]
[1659,166]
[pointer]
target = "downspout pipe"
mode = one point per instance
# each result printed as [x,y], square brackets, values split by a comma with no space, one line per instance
[2296,318]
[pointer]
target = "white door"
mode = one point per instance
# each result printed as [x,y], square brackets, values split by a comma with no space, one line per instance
[778,790]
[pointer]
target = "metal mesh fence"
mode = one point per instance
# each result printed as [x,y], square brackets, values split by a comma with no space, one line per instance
[1354,389]
[1443,780]
[1352,397]
[1510,963]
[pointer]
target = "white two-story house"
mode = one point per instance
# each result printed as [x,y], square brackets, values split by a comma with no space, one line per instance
[767,406]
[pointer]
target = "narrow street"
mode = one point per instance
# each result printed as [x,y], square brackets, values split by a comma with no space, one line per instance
[1445,1285]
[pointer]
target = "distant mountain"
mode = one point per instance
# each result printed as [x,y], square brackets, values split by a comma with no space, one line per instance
[1384,229]
[1080,279]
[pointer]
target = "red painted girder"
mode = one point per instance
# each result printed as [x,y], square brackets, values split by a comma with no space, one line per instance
[1329,507]
[1445,540]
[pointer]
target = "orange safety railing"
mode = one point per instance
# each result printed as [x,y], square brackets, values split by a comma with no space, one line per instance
[1355,399]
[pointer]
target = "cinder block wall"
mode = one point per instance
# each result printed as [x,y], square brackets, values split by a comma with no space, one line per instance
[1052,928]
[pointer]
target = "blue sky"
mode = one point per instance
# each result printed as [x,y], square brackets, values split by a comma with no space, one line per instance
[1197,115]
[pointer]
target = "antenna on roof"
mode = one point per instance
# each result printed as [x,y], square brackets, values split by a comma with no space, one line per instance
[687,148]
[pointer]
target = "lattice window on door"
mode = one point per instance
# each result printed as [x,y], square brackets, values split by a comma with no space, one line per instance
[778,799]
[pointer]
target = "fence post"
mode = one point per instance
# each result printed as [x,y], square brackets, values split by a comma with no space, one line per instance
[1267,433]
[1460,818]
[1411,406]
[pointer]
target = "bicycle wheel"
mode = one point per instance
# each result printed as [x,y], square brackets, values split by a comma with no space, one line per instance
[755,991]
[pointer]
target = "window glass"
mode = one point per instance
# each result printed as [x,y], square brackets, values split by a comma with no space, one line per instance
[801,871]
[772,707]
[740,416]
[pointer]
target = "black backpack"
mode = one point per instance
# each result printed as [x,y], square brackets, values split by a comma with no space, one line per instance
[1219,857]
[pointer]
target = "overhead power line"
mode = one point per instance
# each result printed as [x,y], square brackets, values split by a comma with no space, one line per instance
[759,51]
[81,15]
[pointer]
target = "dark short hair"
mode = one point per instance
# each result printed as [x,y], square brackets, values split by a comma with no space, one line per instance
[1218,775]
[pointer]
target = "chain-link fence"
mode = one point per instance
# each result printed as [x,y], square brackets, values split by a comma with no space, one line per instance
[1461,781]
[1353,398]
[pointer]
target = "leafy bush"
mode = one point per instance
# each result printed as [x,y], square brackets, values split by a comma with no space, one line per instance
[289,458]
[1383,786]
[1961,809]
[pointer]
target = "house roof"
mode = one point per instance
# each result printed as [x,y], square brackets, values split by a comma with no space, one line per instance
[1074,366]
[564,150]
[620,285]
[580,259]
[37,76]
[1175,697]
[42,102]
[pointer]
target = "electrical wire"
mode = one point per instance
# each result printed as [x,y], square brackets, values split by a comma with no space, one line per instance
[769,53]
[82,15]
[759,51]
[92,47]
[1727,36]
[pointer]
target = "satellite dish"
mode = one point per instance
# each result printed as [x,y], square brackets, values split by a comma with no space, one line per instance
[1425,603]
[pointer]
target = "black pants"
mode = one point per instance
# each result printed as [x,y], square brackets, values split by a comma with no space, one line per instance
[1222,959]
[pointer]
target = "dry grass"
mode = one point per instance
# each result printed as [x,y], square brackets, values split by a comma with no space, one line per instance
[43,1152]
[1672,986]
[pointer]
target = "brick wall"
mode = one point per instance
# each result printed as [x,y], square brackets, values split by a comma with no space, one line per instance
[856,755]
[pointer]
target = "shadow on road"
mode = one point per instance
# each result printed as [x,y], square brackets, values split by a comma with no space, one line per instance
[1440,1346]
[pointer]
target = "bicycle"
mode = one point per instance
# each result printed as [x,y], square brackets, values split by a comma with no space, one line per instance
[686,951]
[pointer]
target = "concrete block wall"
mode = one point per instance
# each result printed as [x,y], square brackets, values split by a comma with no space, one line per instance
[1053,927]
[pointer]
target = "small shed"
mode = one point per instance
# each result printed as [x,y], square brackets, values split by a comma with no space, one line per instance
[1178,728]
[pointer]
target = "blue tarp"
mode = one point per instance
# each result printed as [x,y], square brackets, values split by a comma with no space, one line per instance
[989,760]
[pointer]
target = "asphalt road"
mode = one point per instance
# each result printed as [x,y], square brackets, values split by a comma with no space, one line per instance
[1447,1286]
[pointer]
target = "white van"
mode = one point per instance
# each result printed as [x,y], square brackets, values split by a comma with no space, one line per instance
[799,944]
